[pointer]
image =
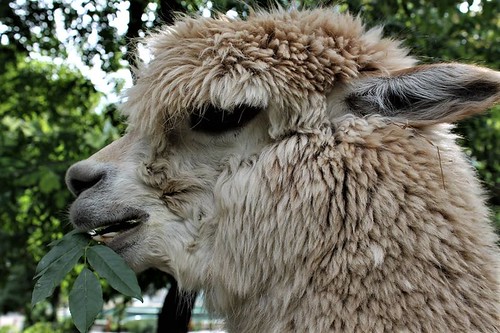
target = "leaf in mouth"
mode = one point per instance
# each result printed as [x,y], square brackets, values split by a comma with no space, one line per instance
[85,300]
[113,268]
[86,295]
[54,274]
[60,249]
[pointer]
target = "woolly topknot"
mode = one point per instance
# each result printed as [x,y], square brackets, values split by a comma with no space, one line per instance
[287,59]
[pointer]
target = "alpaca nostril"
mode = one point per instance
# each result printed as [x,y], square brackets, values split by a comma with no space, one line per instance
[81,177]
[78,186]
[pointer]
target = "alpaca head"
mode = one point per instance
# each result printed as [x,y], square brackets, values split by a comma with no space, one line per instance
[251,145]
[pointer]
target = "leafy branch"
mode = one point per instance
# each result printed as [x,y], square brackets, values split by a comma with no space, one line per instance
[85,297]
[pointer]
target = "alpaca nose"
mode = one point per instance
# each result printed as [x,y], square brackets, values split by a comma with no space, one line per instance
[83,176]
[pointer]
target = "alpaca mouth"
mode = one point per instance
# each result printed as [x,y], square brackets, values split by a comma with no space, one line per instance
[108,232]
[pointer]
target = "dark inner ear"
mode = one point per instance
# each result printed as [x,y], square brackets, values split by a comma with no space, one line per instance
[412,101]
[477,90]
[426,94]
[212,119]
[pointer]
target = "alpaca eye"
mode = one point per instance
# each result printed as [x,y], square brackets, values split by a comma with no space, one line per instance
[212,119]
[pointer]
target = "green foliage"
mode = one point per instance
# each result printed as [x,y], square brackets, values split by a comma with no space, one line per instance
[114,269]
[57,256]
[86,297]
[140,326]
[45,111]
[56,264]
[8,329]
[85,300]
[42,328]
[31,25]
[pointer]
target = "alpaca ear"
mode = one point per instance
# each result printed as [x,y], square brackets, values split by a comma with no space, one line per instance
[426,94]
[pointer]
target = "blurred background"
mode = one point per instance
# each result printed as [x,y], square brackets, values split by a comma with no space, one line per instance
[63,66]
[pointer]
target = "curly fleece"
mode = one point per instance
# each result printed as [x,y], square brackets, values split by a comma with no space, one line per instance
[351,224]
[281,58]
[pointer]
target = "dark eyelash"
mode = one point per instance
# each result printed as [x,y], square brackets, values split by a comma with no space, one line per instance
[212,119]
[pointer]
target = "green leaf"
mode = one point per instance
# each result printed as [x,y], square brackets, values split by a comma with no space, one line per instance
[60,250]
[113,268]
[66,236]
[44,287]
[85,300]
[52,276]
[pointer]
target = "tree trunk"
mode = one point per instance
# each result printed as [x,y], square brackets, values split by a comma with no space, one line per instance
[137,8]
[167,9]
[176,311]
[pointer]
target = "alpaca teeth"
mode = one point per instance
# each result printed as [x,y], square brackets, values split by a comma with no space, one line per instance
[97,234]
[99,238]
[109,234]
[104,237]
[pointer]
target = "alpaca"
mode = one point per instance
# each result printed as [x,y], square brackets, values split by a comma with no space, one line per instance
[300,170]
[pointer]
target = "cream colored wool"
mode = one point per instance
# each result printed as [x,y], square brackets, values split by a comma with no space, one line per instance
[345,205]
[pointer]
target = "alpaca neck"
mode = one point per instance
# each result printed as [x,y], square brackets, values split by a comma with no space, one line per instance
[368,292]
[261,314]
[281,308]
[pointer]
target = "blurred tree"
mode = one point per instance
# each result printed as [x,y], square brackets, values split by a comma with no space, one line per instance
[45,125]
[47,118]
[49,122]
[100,31]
